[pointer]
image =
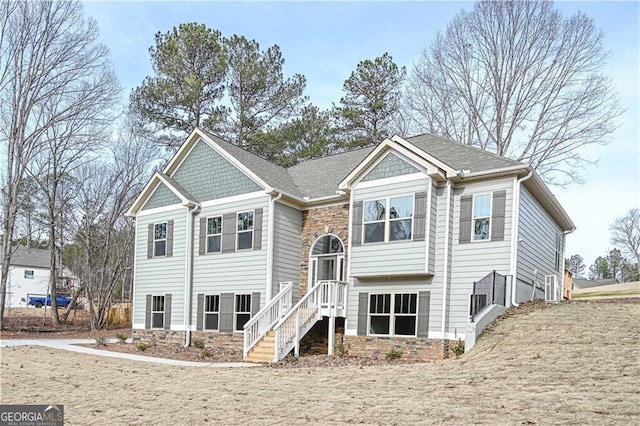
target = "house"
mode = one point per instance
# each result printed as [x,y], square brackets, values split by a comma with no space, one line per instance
[28,274]
[410,244]
[582,283]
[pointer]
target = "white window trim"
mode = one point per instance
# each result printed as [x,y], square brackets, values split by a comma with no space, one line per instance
[166,230]
[253,216]
[213,235]
[473,218]
[392,315]
[164,303]
[205,312]
[387,220]
[235,313]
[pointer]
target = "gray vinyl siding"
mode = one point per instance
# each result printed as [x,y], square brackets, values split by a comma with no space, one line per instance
[207,175]
[238,272]
[392,286]
[160,275]
[537,246]
[439,267]
[433,228]
[398,257]
[472,261]
[162,197]
[286,245]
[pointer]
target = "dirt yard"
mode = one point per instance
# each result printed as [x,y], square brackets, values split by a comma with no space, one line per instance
[575,363]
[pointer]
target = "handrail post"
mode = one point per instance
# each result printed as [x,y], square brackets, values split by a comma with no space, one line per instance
[276,346]
[296,351]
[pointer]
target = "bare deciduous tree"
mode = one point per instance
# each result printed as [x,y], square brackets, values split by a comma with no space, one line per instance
[52,71]
[625,233]
[104,236]
[518,79]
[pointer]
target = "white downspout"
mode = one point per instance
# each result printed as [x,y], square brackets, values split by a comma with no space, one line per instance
[445,273]
[271,237]
[515,220]
[188,274]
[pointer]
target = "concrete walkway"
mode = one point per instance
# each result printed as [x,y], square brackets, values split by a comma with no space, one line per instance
[72,345]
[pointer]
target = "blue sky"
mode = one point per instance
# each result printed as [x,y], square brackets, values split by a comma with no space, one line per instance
[325,41]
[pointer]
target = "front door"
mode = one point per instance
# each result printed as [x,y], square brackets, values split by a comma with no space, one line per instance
[327,268]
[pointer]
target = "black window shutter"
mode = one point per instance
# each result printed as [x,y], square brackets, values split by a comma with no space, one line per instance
[202,237]
[229,232]
[466,204]
[424,299]
[255,303]
[257,229]
[147,313]
[363,313]
[420,216]
[150,241]
[226,313]
[497,215]
[169,238]
[200,312]
[167,311]
[356,224]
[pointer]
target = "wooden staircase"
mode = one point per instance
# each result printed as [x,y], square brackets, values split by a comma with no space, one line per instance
[263,351]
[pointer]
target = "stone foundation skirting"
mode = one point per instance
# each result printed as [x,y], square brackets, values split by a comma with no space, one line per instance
[158,337]
[224,341]
[413,349]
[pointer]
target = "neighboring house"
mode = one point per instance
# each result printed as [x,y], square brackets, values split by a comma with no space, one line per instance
[28,274]
[582,283]
[400,233]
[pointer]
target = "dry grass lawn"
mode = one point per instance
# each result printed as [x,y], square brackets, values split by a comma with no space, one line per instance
[574,363]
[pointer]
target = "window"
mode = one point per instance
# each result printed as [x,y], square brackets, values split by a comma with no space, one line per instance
[211,312]
[374,220]
[558,251]
[214,234]
[393,319]
[481,217]
[392,224]
[245,230]
[243,310]
[160,239]
[157,312]
[28,274]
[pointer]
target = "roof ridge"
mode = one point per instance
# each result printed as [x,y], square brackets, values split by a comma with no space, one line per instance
[331,155]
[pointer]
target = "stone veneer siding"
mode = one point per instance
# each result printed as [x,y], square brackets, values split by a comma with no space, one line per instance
[316,223]
[231,342]
[413,349]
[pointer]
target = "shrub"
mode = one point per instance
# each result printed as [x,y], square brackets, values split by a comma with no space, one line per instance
[458,348]
[121,337]
[342,349]
[197,343]
[393,354]
[205,353]
[142,346]
[101,341]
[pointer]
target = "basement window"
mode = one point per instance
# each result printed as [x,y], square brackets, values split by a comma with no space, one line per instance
[393,314]
[242,311]
[211,312]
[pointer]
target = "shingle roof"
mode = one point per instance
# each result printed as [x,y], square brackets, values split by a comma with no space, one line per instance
[459,156]
[585,283]
[33,257]
[320,177]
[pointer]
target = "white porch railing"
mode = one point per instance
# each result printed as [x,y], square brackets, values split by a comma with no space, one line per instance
[326,298]
[267,317]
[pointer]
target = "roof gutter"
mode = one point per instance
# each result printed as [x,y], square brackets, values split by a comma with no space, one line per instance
[515,219]
[464,175]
